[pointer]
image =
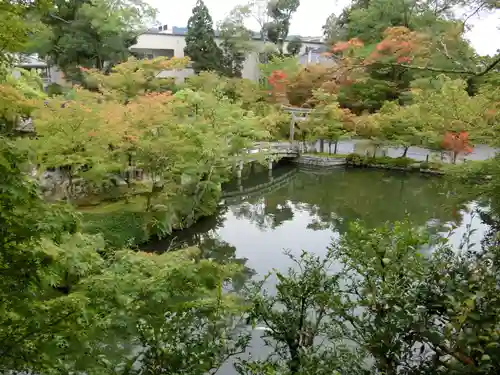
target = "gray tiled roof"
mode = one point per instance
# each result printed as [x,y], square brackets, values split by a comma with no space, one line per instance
[181,31]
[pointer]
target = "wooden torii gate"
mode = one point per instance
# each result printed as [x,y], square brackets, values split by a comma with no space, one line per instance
[298,115]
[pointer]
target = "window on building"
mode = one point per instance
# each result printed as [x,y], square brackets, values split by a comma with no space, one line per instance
[164,53]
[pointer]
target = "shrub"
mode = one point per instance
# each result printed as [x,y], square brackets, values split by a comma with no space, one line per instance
[383,160]
[402,162]
[54,89]
[119,229]
[356,160]
[430,165]
[425,165]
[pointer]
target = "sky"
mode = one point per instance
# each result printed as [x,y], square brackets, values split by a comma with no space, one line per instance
[311,16]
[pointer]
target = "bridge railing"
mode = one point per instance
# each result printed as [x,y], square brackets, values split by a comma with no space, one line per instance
[274,147]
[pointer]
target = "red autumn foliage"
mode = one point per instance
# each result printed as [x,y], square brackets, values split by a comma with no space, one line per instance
[277,78]
[457,143]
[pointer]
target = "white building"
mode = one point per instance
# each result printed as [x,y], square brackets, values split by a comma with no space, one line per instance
[48,74]
[171,43]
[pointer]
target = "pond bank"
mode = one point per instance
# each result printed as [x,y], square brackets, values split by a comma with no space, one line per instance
[320,161]
[358,161]
[124,223]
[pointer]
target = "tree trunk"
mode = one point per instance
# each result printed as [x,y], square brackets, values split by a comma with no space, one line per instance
[321,145]
[330,148]
[455,155]
[335,149]
[405,152]
[69,192]
[148,201]
[294,364]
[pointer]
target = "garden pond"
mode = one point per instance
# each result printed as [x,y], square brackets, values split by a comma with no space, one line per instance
[298,209]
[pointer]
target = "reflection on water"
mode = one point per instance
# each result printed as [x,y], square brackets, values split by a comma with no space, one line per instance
[303,209]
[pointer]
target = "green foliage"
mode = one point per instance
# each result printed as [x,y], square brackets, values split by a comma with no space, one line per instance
[406,310]
[92,33]
[357,160]
[54,89]
[236,43]
[68,305]
[287,64]
[21,20]
[297,317]
[200,41]
[327,120]
[294,46]
[74,301]
[244,92]
[18,90]
[209,340]
[281,12]
[332,30]
[367,95]
[119,228]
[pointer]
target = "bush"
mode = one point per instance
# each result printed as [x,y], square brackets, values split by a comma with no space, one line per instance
[119,229]
[430,165]
[356,160]
[54,89]
[402,162]
[383,160]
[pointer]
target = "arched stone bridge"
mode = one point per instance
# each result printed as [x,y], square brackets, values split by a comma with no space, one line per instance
[280,149]
[269,152]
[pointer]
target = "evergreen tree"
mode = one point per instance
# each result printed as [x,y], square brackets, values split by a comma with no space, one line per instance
[200,40]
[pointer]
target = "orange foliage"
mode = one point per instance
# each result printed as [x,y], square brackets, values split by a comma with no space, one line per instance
[400,45]
[350,44]
[457,143]
[340,46]
[302,85]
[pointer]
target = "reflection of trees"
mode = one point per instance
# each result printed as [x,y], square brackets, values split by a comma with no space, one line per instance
[203,235]
[224,253]
[265,213]
[490,215]
[337,198]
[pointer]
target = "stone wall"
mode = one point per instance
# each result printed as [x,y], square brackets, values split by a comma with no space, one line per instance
[319,161]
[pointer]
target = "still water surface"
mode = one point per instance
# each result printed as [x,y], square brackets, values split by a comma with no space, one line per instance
[304,209]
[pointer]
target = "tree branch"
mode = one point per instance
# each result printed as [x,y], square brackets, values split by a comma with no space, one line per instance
[478,9]
[492,65]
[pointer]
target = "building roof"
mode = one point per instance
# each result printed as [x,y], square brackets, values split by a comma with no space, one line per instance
[182,31]
[29,61]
